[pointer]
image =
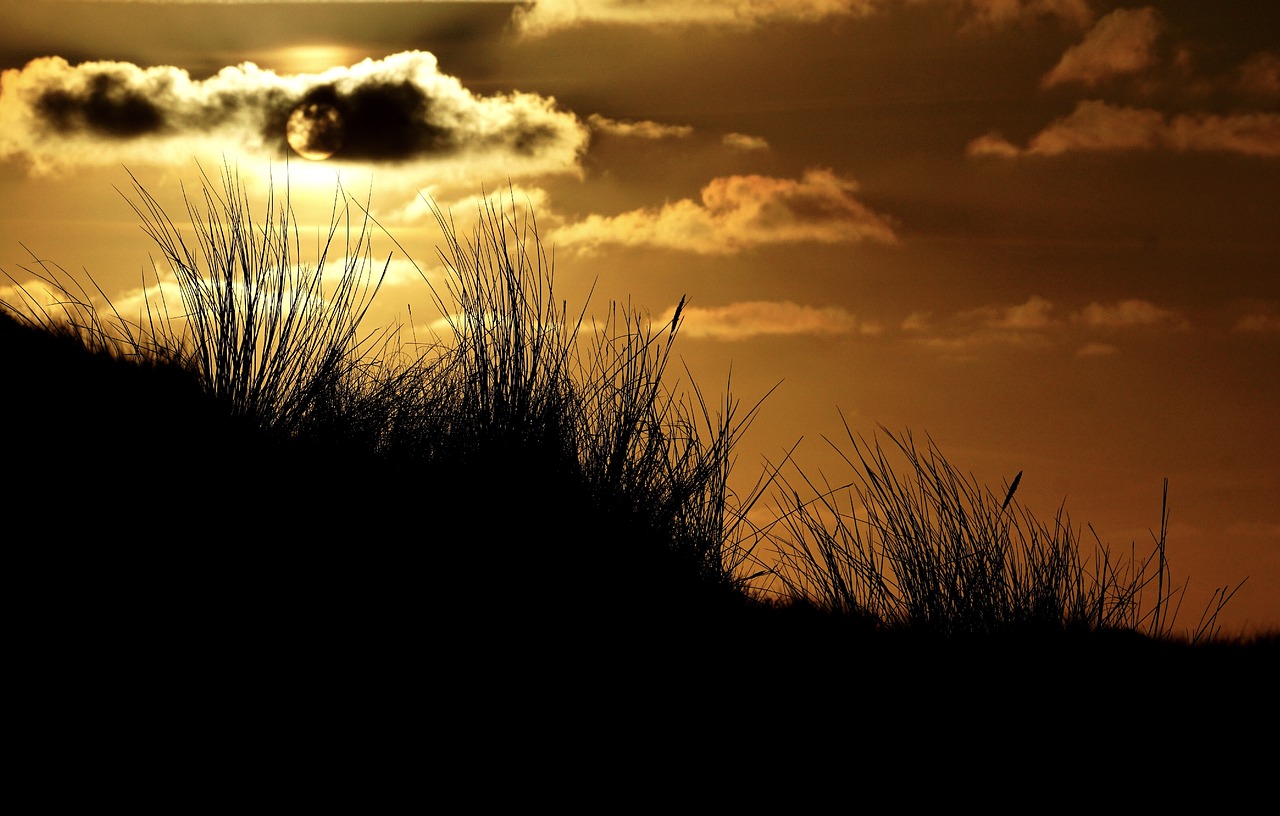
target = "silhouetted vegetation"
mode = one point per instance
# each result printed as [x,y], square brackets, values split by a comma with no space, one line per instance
[259,459]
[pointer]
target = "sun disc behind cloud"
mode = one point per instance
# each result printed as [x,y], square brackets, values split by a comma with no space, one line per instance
[314,130]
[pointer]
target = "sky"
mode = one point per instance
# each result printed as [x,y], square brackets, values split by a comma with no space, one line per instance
[1044,234]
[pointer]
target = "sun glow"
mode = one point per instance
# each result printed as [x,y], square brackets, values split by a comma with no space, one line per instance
[311,59]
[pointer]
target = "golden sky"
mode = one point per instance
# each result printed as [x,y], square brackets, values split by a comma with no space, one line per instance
[1045,233]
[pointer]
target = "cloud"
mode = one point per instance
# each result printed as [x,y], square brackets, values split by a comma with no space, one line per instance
[640,130]
[1031,324]
[987,14]
[738,321]
[1030,316]
[1119,43]
[1126,314]
[1265,320]
[738,212]
[1022,325]
[1260,75]
[916,322]
[1098,126]
[543,16]
[741,141]
[398,110]
[540,17]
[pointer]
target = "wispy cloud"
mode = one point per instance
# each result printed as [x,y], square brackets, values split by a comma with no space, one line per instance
[738,321]
[1017,325]
[738,212]
[1033,315]
[1120,43]
[643,129]
[1261,319]
[742,141]
[1033,324]
[1259,75]
[1126,314]
[543,16]
[999,13]
[399,110]
[1099,126]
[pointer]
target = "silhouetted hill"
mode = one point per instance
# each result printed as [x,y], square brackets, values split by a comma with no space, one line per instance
[151,533]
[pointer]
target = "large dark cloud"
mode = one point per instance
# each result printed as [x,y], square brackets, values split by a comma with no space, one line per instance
[105,105]
[55,115]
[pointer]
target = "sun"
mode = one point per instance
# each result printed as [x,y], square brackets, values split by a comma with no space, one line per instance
[314,130]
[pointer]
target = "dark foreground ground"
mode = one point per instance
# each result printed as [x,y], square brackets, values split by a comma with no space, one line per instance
[177,578]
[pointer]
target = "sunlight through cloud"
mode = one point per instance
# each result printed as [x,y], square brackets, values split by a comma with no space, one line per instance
[399,111]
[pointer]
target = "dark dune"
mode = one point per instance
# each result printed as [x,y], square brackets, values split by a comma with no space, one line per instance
[161,549]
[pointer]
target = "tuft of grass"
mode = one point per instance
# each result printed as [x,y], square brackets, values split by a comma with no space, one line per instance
[258,325]
[920,546]
[529,384]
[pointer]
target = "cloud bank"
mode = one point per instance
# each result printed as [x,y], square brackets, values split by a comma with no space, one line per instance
[739,212]
[399,110]
[1099,126]
[1033,325]
[541,17]
[544,16]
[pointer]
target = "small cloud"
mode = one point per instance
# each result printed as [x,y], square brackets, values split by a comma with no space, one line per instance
[739,212]
[1126,314]
[1098,126]
[639,130]
[1022,325]
[963,345]
[998,13]
[916,322]
[1119,43]
[738,321]
[1260,75]
[1030,316]
[741,141]
[993,144]
[1263,322]
[1251,134]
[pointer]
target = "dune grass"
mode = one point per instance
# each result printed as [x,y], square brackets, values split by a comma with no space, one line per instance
[912,543]
[581,421]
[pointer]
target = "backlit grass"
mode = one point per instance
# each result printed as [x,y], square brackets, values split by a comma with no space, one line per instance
[565,430]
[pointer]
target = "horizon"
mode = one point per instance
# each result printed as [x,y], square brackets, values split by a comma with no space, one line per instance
[1041,233]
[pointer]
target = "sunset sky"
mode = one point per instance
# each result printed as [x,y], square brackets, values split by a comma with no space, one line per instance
[1044,233]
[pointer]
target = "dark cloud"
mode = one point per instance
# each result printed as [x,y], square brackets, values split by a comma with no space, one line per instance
[382,121]
[400,109]
[105,104]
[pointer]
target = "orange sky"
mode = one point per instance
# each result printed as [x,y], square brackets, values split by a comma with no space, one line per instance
[1044,232]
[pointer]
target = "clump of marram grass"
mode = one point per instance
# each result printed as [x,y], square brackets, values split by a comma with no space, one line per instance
[592,404]
[257,324]
[925,548]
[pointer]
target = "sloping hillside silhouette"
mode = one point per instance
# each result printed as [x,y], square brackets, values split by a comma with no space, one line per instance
[520,524]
